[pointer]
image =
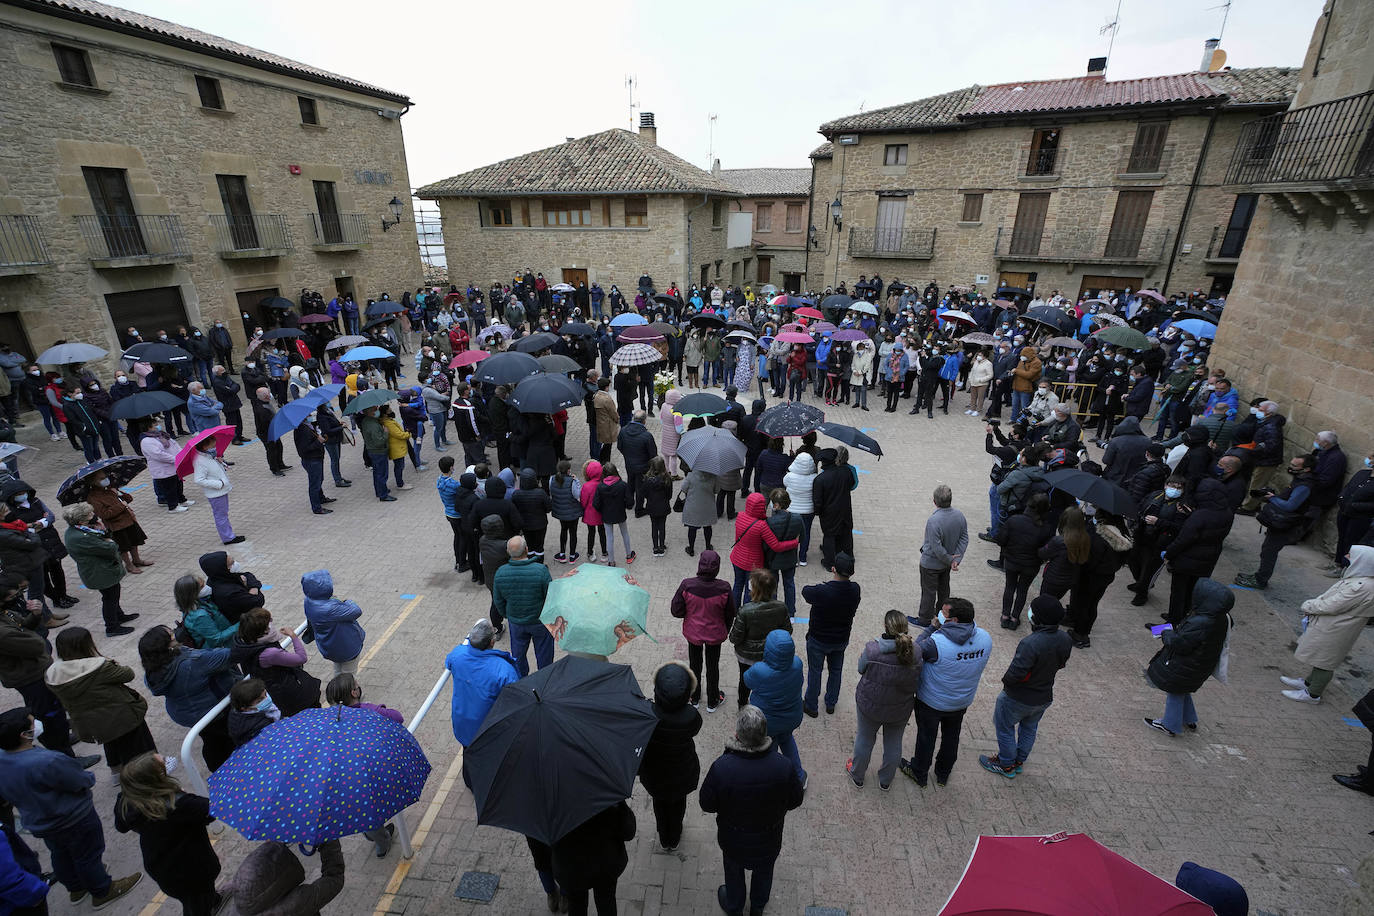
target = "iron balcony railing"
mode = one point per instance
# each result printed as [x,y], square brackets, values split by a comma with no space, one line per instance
[255,232]
[117,236]
[1329,141]
[1040,162]
[22,243]
[918,244]
[339,228]
[1135,246]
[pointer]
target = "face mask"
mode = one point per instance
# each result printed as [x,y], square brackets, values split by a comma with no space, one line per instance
[121,378]
[1368,463]
[310,416]
[236,567]
[219,324]
[1256,412]
[251,365]
[1173,492]
[1316,445]
[1197,362]
[1295,471]
[204,591]
[942,618]
[1089,511]
[162,337]
[37,729]
[257,333]
[23,502]
[79,395]
[104,481]
[34,372]
[1023,359]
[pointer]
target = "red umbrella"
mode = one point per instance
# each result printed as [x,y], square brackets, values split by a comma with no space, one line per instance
[1026,876]
[807,311]
[793,326]
[468,358]
[186,458]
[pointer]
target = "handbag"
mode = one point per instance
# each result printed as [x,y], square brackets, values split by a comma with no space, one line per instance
[1221,672]
[679,503]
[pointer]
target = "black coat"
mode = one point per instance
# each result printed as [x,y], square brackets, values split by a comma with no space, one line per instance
[830,497]
[176,849]
[541,452]
[1357,499]
[308,445]
[654,497]
[230,591]
[1191,650]
[1197,546]
[1149,478]
[1021,539]
[226,392]
[594,851]
[1196,464]
[1125,453]
[637,446]
[613,500]
[532,503]
[1060,573]
[670,768]
[1030,677]
[750,792]
[262,418]
[1269,441]
[495,503]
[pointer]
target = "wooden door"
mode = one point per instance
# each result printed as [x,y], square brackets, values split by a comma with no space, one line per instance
[1128,223]
[891,218]
[233,193]
[114,209]
[574,275]
[765,269]
[1029,229]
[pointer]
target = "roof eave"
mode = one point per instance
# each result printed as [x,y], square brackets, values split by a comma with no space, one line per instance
[426,193]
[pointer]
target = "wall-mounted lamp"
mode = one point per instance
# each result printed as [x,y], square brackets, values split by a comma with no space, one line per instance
[811,237]
[837,212]
[396,209]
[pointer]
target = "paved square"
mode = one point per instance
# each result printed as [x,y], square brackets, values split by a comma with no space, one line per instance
[1249,793]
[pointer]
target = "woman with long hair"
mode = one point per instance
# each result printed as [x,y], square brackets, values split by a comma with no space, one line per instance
[889,676]
[202,619]
[100,707]
[1065,554]
[171,832]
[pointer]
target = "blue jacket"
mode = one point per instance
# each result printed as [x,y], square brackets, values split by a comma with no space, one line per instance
[478,676]
[823,352]
[194,681]
[335,622]
[902,368]
[204,412]
[776,683]
[954,657]
[51,790]
[1230,401]
[448,489]
[949,371]
[19,886]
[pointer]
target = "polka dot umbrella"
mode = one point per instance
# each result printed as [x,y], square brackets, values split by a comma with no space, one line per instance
[319,775]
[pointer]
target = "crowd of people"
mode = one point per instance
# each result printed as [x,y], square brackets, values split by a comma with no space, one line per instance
[1167,503]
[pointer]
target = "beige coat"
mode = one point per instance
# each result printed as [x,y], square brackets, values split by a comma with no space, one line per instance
[607,417]
[1338,615]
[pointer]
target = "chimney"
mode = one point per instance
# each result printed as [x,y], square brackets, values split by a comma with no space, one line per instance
[1097,66]
[647,131]
[715,167]
[1209,48]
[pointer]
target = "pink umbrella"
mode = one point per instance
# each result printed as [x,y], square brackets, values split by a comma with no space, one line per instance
[823,327]
[849,334]
[314,318]
[186,458]
[640,333]
[807,311]
[794,337]
[468,358]
[792,326]
[1151,294]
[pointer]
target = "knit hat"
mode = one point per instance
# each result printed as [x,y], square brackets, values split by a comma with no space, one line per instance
[1046,610]
[1156,450]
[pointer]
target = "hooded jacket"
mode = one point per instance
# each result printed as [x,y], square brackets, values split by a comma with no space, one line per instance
[230,591]
[495,503]
[612,500]
[705,604]
[478,676]
[1197,461]
[670,768]
[953,657]
[1148,478]
[24,655]
[590,514]
[1125,452]
[1025,375]
[1015,489]
[594,852]
[1338,616]
[96,557]
[1029,679]
[491,546]
[192,683]
[1021,538]
[271,881]
[887,687]
[1192,648]
[751,626]
[92,690]
[776,683]
[50,789]
[1196,548]
[334,621]
[752,533]
[669,434]
[637,446]
[465,498]
[21,551]
[531,503]
[798,480]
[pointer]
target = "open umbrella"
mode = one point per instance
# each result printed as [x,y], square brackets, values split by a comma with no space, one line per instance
[1051,317]
[711,449]
[823,327]
[767,290]
[701,404]
[635,354]
[315,318]
[791,302]
[1012,291]
[144,404]
[851,437]
[1106,319]
[793,337]
[959,317]
[867,308]
[640,333]
[376,322]
[840,301]
[664,328]
[1093,489]
[849,334]
[808,311]
[320,775]
[279,333]
[452,298]
[1129,338]
[628,320]
[546,393]
[186,458]
[794,326]
[366,352]
[1195,326]
[1151,294]
[1067,342]
[67,353]
[563,288]
[790,418]
[577,329]
[156,352]
[1024,876]
[468,358]
[535,342]
[559,746]
[507,368]
[120,469]
[557,362]
[348,340]
[595,609]
[369,398]
[278,303]
[492,330]
[293,413]
[1102,302]
[979,338]
[1202,315]
[670,302]
[708,321]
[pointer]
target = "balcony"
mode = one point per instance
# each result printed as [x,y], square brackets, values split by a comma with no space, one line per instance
[338,231]
[1083,246]
[1040,163]
[22,248]
[1226,244]
[911,244]
[133,240]
[1319,148]
[264,235]
[1137,164]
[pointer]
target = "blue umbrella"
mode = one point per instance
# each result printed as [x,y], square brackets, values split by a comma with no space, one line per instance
[120,469]
[360,354]
[628,320]
[1197,327]
[319,775]
[293,414]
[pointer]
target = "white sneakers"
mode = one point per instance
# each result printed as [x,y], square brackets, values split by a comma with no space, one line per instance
[1294,682]
[1301,696]
[180,509]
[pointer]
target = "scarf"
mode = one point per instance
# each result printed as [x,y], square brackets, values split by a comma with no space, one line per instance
[894,362]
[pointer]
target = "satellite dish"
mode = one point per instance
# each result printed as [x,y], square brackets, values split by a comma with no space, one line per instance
[1218,61]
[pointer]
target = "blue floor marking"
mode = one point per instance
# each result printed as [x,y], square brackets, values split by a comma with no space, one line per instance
[267,588]
[868,429]
[133,489]
[806,620]
[1242,588]
[856,531]
[407,597]
[1352,721]
[862,471]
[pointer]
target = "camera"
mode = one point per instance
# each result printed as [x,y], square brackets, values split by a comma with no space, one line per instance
[994,422]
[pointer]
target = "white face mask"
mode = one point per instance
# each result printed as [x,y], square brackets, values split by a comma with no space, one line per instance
[80,395]
[37,729]
[104,481]
[204,591]
[942,618]
[23,502]
[35,372]
[236,567]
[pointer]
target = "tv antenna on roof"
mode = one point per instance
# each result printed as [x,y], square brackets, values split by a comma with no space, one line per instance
[711,150]
[1114,26]
[631,83]
[1224,16]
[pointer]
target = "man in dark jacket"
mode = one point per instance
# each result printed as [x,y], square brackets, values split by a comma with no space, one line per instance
[1028,687]
[1150,476]
[626,387]
[1268,453]
[24,658]
[1354,513]
[1234,478]
[227,393]
[223,346]
[1125,452]
[262,421]
[753,442]
[830,498]
[638,447]
[1286,517]
[1197,461]
[498,416]
[309,441]
[1192,552]
[1060,429]
[1329,473]
[833,606]
[1162,513]
[750,788]
[1140,395]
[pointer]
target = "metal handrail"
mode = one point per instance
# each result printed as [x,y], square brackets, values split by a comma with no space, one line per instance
[22,243]
[402,828]
[338,228]
[910,243]
[1328,141]
[255,232]
[130,235]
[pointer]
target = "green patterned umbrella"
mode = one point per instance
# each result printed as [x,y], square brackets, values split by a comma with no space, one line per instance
[595,610]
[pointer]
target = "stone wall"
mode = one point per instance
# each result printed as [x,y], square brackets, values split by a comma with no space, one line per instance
[145,116]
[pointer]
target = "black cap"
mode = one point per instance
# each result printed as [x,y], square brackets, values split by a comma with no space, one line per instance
[1046,610]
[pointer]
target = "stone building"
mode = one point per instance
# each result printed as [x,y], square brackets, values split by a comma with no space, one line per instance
[153,175]
[1298,323]
[779,203]
[604,208]
[1071,185]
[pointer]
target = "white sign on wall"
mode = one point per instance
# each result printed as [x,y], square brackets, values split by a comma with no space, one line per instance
[739,232]
[981,279]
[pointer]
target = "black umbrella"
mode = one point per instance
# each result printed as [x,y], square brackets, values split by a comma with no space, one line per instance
[707,321]
[559,746]
[790,418]
[577,329]
[672,302]
[711,449]
[1051,317]
[507,368]
[535,342]
[1011,291]
[701,404]
[156,352]
[120,469]
[1212,317]
[557,362]
[279,333]
[145,404]
[1093,489]
[546,393]
[851,437]
[385,307]
[277,302]
[837,301]
[374,323]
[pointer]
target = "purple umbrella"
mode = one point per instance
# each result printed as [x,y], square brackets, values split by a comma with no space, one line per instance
[849,334]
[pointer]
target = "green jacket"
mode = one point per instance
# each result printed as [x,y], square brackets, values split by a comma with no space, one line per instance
[210,628]
[97,698]
[24,655]
[519,589]
[1179,381]
[374,434]
[96,558]
[710,349]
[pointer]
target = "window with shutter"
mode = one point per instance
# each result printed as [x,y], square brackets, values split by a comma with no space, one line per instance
[1128,223]
[1148,148]
[973,208]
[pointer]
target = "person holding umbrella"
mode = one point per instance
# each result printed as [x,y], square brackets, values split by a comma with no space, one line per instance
[211,473]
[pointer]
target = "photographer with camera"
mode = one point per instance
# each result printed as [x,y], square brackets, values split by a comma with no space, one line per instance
[1005,449]
[1286,517]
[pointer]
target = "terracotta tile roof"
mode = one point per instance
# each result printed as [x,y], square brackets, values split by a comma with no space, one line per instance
[825,151]
[923,114]
[1255,85]
[769,182]
[614,161]
[112,17]
[1088,93]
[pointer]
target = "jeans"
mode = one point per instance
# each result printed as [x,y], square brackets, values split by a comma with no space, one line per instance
[741,583]
[332,449]
[379,474]
[440,423]
[76,856]
[787,746]
[861,396]
[995,510]
[761,886]
[821,654]
[44,706]
[49,418]
[521,635]
[934,592]
[796,385]
[314,487]
[594,446]
[804,541]
[710,653]
[866,735]
[1020,400]
[90,444]
[109,437]
[1016,724]
[929,722]
[789,589]
[1178,712]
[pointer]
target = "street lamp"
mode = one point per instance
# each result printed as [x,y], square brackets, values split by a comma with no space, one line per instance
[836,212]
[396,209]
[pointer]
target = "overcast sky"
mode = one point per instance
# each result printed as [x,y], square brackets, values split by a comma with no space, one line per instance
[492,80]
